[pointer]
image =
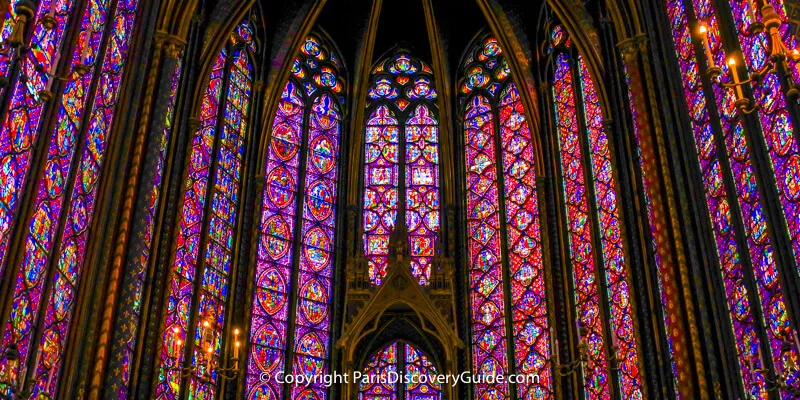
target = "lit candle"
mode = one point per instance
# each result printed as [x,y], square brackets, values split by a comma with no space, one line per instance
[706,46]
[796,341]
[751,12]
[210,357]
[86,47]
[236,343]
[176,342]
[206,332]
[236,354]
[49,380]
[736,81]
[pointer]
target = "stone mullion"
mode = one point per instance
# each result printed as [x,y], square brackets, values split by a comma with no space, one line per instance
[652,160]
[633,217]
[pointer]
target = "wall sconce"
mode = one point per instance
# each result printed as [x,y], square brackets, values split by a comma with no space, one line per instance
[206,354]
[571,367]
[779,382]
[24,10]
[9,375]
[778,54]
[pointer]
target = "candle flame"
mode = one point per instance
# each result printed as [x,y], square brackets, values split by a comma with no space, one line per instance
[179,342]
[703,29]
[732,61]
[236,331]
[238,344]
[175,329]
[210,349]
[205,323]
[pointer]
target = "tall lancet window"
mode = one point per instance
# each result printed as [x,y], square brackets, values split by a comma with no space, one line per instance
[401,164]
[206,231]
[600,279]
[746,158]
[510,329]
[81,84]
[295,249]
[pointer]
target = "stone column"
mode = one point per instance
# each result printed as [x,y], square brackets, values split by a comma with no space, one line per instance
[130,261]
[669,248]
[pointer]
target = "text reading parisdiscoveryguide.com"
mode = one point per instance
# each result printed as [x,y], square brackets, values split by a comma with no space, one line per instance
[392,378]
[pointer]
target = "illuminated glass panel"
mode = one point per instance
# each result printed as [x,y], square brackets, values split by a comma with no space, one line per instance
[419,372]
[716,193]
[422,188]
[269,319]
[183,271]
[782,148]
[380,381]
[585,279]
[621,313]
[777,130]
[22,121]
[483,246]
[270,311]
[298,212]
[52,189]
[401,116]
[377,372]
[380,193]
[29,290]
[315,281]
[488,90]
[221,228]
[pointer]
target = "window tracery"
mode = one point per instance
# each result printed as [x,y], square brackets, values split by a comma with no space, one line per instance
[401,164]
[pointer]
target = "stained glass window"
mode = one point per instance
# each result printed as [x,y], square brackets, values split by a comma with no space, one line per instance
[732,192]
[399,371]
[298,214]
[207,226]
[595,240]
[49,276]
[503,231]
[401,164]
[23,115]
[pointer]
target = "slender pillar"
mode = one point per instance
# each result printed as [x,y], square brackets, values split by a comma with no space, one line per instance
[674,271]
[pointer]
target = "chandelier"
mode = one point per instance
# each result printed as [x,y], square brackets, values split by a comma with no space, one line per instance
[206,349]
[779,53]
